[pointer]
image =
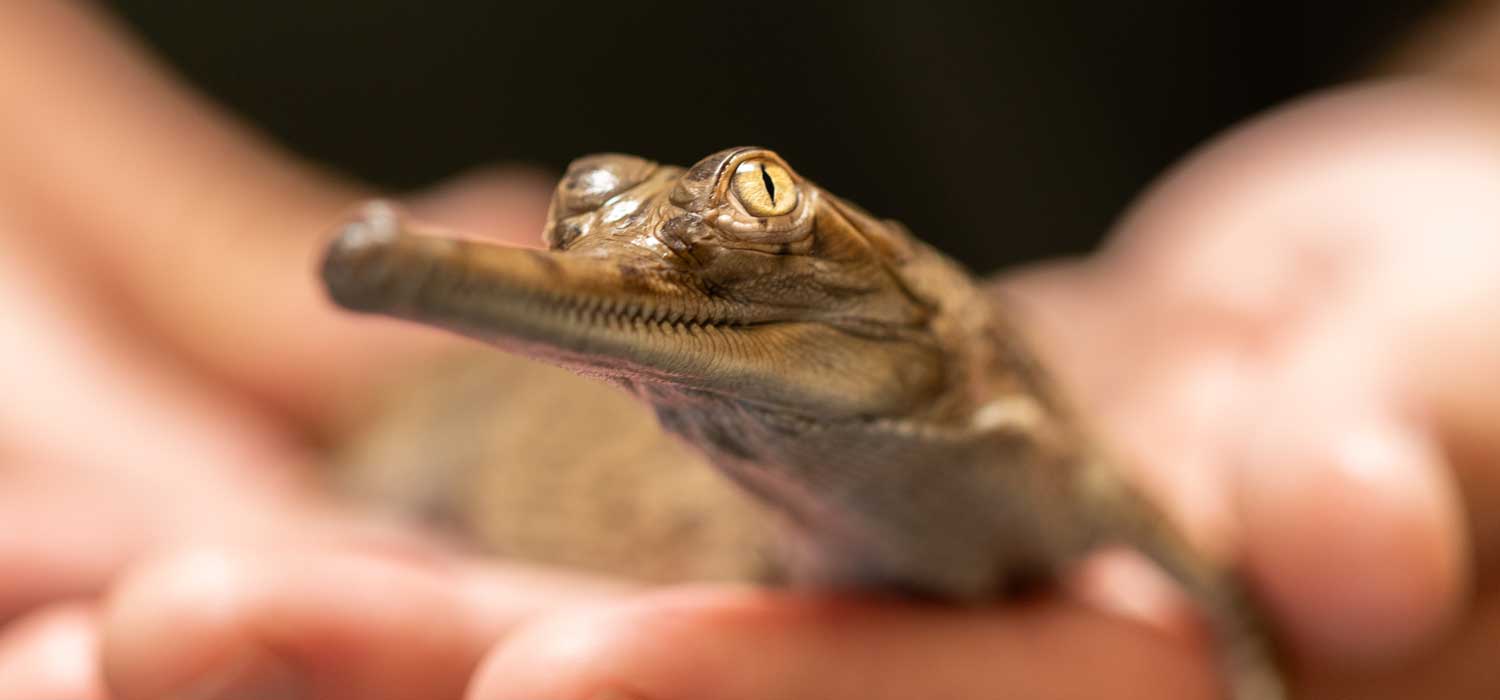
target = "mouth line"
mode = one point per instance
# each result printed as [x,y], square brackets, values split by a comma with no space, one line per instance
[619,319]
[589,312]
[629,314]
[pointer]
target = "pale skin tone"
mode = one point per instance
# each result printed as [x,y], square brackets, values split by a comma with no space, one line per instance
[1295,333]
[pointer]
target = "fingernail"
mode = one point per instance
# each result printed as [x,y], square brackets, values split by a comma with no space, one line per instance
[1124,583]
[254,676]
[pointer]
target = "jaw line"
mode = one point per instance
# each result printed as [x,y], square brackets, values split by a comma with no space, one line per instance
[590,313]
[609,317]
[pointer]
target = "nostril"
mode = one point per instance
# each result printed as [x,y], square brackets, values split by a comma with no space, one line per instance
[560,234]
[681,235]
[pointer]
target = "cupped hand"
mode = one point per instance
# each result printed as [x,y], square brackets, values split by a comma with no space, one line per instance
[171,372]
[1289,338]
[1292,338]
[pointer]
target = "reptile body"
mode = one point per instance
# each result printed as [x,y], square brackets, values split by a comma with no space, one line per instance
[873,418]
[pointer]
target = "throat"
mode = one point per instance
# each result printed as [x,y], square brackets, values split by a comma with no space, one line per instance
[878,503]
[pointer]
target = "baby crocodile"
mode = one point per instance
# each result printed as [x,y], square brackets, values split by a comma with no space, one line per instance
[854,381]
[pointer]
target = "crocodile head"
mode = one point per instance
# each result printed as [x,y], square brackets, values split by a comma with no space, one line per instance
[847,375]
[734,280]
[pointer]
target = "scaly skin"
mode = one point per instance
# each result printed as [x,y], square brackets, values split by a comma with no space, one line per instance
[848,377]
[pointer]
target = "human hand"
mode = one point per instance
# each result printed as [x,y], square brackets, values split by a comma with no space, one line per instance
[1300,378]
[1293,338]
[170,365]
[1200,302]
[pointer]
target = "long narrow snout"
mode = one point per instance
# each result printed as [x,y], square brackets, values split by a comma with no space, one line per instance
[606,316]
[566,307]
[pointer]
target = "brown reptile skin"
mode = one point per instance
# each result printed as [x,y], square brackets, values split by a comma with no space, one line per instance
[857,410]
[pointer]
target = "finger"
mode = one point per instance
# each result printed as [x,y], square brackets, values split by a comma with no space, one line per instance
[1357,543]
[1126,584]
[503,203]
[211,235]
[115,436]
[1340,495]
[298,625]
[1353,528]
[1358,363]
[1443,325]
[726,644]
[51,655]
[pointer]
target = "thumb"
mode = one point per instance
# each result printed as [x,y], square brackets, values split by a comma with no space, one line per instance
[1353,529]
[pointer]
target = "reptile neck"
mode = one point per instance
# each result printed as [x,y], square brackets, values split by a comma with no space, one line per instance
[882,504]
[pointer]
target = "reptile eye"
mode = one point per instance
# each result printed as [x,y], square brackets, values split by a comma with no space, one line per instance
[764,188]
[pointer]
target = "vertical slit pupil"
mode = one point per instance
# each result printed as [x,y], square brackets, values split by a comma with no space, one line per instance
[765,177]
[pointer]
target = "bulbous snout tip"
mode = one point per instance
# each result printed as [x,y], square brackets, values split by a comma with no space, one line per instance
[356,270]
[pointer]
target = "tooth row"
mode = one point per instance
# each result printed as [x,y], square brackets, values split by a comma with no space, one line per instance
[620,313]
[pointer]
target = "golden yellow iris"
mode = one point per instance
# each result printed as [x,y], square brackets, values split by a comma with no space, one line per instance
[764,188]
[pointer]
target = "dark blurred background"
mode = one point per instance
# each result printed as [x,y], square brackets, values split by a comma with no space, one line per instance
[1003,132]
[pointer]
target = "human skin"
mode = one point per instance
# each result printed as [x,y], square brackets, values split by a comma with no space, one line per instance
[1293,336]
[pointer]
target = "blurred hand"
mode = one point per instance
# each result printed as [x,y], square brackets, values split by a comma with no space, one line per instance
[1294,336]
[171,371]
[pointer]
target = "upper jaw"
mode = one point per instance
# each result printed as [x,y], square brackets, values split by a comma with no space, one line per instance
[579,303]
[615,317]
